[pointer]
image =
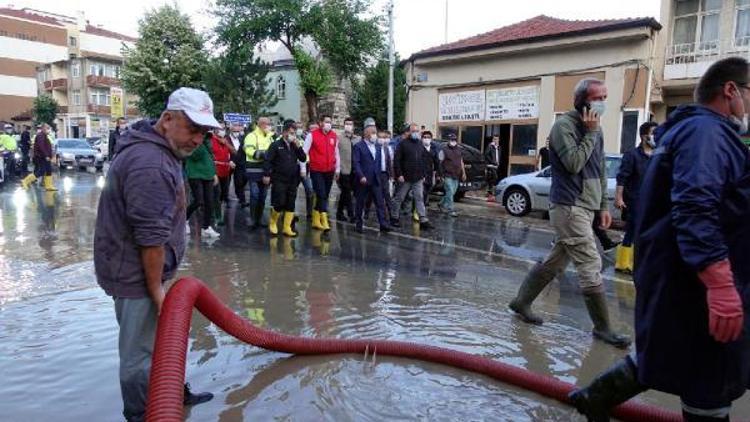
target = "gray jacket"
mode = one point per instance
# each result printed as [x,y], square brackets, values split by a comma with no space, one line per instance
[142,204]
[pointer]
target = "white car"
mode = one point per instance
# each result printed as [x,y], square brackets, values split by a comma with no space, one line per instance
[523,193]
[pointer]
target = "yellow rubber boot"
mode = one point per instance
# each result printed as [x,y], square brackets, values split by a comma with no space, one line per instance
[415,216]
[288,219]
[324,221]
[316,223]
[624,259]
[273,222]
[288,248]
[48,185]
[28,180]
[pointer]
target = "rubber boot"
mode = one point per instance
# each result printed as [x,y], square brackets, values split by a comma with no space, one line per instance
[324,221]
[624,259]
[191,399]
[288,219]
[273,223]
[288,248]
[28,180]
[309,201]
[689,417]
[536,280]
[415,216]
[596,303]
[616,385]
[48,185]
[316,224]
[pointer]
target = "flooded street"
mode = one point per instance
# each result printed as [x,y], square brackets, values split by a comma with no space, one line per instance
[58,334]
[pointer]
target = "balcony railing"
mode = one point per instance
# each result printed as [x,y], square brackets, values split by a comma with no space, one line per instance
[693,52]
[686,61]
[98,109]
[102,81]
[60,83]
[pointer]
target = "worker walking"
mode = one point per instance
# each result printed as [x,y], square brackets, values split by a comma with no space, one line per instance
[42,160]
[256,144]
[281,170]
[321,146]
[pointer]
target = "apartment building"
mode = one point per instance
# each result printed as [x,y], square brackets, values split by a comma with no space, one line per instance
[697,33]
[66,57]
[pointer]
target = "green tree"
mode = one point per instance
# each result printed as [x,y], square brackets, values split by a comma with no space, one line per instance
[168,55]
[237,82]
[45,109]
[342,29]
[370,97]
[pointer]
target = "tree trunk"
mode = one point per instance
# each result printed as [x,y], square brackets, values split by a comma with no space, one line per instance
[312,107]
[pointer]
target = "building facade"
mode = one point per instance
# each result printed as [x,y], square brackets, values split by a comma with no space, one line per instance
[697,33]
[515,81]
[66,57]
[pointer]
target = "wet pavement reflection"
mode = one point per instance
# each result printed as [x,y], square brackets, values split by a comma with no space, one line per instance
[450,287]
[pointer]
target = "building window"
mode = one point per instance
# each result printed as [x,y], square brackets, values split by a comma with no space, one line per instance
[524,140]
[76,97]
[117,72]
[742,25]
[72,41]
[96,69]
[99,97]
[696,26]
[75,69]
[472,136]
[280,87]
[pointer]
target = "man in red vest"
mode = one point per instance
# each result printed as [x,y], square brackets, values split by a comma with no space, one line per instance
[321,147]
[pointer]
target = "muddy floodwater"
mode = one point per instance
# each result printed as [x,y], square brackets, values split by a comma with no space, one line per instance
[450,288]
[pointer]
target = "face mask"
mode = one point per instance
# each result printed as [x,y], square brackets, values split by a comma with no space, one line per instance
[222,133]
[742,124]
[373,138]
[453,143]
[649,140]
[348,128]
[426,142]
[123,127]
[327,127]
[415,136]
[291,137]
[382,141]
[299,133]
[598,107]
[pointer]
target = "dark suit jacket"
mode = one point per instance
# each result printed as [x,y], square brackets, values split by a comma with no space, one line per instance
[363,165]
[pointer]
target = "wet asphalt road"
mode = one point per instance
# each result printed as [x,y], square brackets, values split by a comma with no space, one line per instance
[448,287]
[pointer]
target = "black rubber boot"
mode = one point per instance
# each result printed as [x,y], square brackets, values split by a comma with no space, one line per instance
[190,399]
[536,280]
[615,386]
[596,303]
[689,417]
[309,201]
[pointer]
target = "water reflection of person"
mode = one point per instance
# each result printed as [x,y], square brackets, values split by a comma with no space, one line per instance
[47,205]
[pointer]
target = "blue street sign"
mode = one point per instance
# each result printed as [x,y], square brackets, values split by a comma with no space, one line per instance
[237,118]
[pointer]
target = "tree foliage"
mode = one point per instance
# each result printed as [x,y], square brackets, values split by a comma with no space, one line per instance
[370,98]
[346,36]
[237,82]
[169,54]
[45,109]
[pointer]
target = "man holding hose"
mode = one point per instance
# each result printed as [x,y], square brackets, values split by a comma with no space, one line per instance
[139,239]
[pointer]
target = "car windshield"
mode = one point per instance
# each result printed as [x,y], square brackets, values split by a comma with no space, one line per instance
[73,144]
[613,167]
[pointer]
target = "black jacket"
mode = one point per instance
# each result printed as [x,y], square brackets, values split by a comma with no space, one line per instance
[114,136]
[631,173]
[282,161]
[489,155]
[431,162]
[409,160]
[25,143]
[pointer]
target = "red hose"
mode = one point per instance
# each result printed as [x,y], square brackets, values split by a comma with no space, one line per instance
[168,364]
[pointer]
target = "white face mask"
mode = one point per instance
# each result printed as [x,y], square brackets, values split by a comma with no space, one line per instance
[123,127]
[426,142]
[453,143]
[382,141]
[291,137]
[299,132]
[222,133]
[598,107]
[373,138]
[348,128]
[327,127]
[649,140]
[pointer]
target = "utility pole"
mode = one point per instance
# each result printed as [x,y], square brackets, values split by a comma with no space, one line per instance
[445,33]
[390,65]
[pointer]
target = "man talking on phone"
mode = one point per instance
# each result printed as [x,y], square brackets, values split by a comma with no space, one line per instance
[577,195]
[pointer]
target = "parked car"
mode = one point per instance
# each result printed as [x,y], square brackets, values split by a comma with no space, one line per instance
[78,153]
[523,193]
[100,144]
[476,167]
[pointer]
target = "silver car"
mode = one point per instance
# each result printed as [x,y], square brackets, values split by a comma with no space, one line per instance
[523,193]
[78,153]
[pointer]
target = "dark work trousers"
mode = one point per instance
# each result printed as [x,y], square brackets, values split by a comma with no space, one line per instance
[375,194]
[284,195]
[42,167]
[385,188]
[322,183]
[629,215]
[427,189]
[25,158]
[345,205]
[221,195]
[240,181]
[491,180]
[309,194]
[203,195]
[258,193]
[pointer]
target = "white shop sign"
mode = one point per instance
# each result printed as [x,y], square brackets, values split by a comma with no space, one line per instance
[518,103]
[461,106]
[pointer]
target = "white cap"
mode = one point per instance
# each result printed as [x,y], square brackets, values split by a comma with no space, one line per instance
[196,104]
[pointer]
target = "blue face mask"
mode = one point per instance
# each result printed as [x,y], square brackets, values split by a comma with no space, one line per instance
[415,136]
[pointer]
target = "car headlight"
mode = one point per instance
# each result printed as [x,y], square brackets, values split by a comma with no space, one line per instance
[17,156]
[68,155]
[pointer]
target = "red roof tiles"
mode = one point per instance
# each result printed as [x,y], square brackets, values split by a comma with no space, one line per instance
[536,29]
[50,19]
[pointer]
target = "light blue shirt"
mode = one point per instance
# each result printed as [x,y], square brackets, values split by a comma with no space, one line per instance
[371,147]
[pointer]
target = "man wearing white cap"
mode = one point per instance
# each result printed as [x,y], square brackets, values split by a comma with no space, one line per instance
[139,239]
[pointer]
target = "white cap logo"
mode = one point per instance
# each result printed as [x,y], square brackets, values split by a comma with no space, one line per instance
[196,104]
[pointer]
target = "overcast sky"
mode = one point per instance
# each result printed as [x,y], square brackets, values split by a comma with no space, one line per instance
[419,23]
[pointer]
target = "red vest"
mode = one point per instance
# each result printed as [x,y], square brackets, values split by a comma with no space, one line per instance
[323,151]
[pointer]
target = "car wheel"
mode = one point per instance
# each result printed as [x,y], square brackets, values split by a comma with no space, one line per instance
[517,202]
[82,168]
[458,196]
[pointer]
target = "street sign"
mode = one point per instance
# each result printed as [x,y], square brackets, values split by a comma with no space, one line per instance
[237,118]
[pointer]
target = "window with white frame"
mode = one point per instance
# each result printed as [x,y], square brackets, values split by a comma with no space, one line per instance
[280,87]
[696,26]
[76,97]
[75,69]
[99,96]
[742,23]
[96,69]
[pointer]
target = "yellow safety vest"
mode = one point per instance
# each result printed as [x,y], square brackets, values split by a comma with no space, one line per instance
[256,142]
